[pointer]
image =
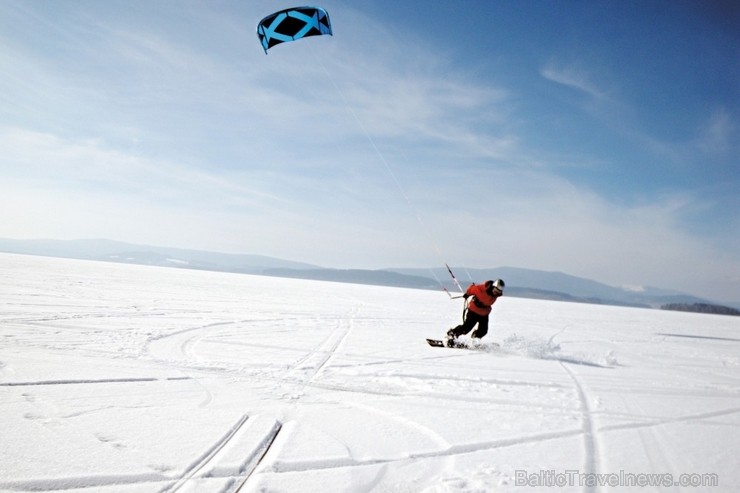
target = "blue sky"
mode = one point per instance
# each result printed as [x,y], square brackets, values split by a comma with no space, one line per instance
[594,138]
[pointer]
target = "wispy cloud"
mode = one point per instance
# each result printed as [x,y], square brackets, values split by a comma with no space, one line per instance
[574,77]
[718,134]
[83,166]
[713,140]
[544,221]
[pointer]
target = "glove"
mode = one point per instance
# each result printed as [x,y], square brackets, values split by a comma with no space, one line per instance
[466,296]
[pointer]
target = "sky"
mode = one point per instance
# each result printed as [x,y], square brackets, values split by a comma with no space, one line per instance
[600,139]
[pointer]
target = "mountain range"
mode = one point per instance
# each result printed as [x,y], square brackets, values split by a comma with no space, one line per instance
[520,282]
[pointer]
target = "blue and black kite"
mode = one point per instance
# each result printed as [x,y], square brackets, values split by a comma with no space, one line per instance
[292,24]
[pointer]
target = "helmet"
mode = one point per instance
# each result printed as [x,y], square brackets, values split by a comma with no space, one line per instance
[497,284]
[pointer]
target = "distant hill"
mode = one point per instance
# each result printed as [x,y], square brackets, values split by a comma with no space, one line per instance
[357,276]
[557,285]
[115,251]
[525,283]
[701,308]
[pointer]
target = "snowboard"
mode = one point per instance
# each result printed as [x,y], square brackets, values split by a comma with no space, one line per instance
[436,342]
[441,343]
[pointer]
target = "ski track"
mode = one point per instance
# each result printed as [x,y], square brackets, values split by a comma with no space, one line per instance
[279,467]
[90,381]
[218,469]
[652,422]
[235,466]
[314,361]
[203,461]
[590,463]
[441,396]
[182,345]
[82,482]
[651,444]
[257,459]
[410,424]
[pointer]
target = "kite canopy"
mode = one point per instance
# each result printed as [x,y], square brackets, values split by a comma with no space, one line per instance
[292,24]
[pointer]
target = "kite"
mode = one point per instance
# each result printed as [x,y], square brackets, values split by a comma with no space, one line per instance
[292,24]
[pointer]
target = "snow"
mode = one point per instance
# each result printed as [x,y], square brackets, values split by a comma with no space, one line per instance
[124,378]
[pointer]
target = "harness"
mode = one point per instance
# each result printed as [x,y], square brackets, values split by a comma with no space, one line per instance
[474,301]
[479,304]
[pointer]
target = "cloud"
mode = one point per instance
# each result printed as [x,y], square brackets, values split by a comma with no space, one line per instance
[574,77]
[718,134]
[91,166]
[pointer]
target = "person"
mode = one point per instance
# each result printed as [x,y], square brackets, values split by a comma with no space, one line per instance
[482,297]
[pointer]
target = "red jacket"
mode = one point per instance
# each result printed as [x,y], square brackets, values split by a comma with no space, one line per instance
[482,301]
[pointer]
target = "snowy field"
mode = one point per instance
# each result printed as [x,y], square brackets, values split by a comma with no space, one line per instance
[118,378]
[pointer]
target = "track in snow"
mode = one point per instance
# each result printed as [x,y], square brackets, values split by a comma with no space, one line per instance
[228,464]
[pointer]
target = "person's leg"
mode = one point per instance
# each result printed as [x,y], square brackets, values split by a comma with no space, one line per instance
[470,320]
[482,329]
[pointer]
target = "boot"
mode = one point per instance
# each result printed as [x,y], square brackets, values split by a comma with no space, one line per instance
[451,338]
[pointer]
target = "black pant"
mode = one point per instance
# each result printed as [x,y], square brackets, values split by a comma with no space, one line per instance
[472,318]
